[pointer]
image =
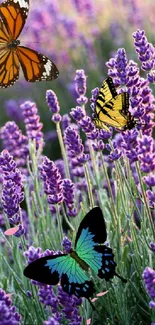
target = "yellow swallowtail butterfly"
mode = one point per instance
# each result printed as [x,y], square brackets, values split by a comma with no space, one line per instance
[113,109]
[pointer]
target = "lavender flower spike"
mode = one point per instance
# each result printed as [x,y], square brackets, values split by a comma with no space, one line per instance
[8,313]
[32,122]
[80,86]
[75,145]
[52,181]
[69,194]
[149,280]
[12,194]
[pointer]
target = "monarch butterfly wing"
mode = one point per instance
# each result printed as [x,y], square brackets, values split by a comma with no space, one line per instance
[36,67]
[89,244]
[114,112]
[51,269]
[4,35]
[14,14]
[9,68]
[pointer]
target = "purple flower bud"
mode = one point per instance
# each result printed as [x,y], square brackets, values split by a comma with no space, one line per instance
[149,180]
[52,181]
[149,280]
[33,254]
[151,197]
[152,304]
[73,142]
[32,122]
[67,245]
[105,134]
[99,146]
[56,118]
[53,320]
[15,142]
[80,82]
[52,102]
[9,315]
[77,113]
[29,294]
[66,120]
[115,154]
[12,194]
[69,195]
[152,245]
[82,100]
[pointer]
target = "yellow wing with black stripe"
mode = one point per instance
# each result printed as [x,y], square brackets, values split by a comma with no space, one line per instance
[112,109]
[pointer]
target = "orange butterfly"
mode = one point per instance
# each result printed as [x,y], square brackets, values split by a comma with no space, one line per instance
[35,66]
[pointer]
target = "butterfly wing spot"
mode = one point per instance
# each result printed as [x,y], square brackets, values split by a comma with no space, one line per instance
[84,289]
[22,3]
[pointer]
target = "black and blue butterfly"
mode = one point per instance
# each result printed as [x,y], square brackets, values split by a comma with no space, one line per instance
[72,269]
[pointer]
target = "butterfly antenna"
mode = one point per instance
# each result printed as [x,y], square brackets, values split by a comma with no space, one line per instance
[93,307]
[123,280]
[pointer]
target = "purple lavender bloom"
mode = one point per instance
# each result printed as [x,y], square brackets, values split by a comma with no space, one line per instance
[99,146]
[78,113]
[75,145]
[152,304]
[146,154]
[69,196]
[52,102]
[15,142]
[52,321]
[84,122]
[121,65]
[129,144]
[67,245]
[70,306]
[56,118]
[80,82]
[95,93]
[151,197]
[105,134]
[59,163]
[48,297]
[149,180]
[32,122]
[33,254]
[115,154]
[12,194]
[145,50]
[52,181]
[152,246]
[8,313]
[66,121]
[149,280]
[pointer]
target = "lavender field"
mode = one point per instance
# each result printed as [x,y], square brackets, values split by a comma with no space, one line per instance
[55,165]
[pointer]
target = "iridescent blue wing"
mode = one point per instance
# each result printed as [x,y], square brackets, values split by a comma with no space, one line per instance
[51,269]
[89,245]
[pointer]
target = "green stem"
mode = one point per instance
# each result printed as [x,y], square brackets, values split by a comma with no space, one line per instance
[90,194]
[145,198]
[59,224]
[63,151]
[110,190]
[66,219]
